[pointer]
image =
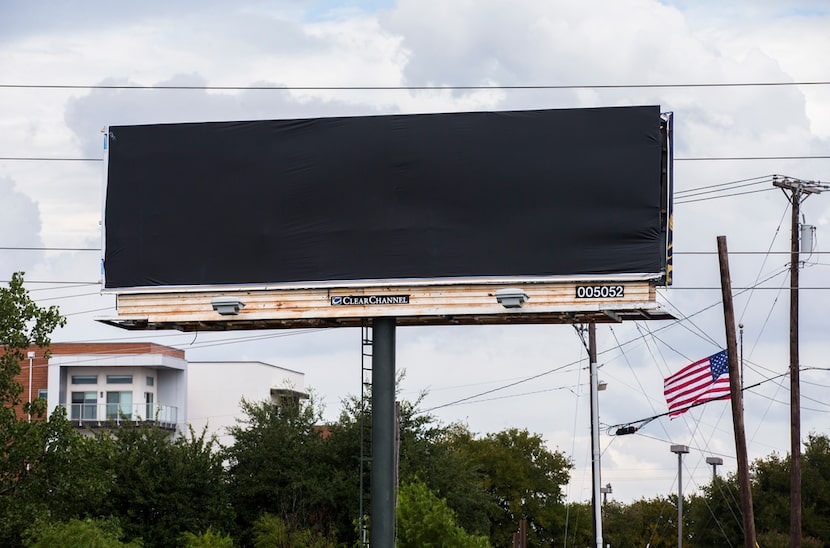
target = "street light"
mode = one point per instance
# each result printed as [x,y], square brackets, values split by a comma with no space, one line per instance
[31,360]
[605,492]
[680,450]
[715,462]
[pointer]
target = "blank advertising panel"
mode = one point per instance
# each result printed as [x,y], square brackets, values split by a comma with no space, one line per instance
[542,193]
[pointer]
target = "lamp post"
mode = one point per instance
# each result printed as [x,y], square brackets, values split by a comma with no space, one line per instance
[605,492]
[715,462]
[680,450]
[31,361]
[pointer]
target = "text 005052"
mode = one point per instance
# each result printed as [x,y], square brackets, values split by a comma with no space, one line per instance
[600,291]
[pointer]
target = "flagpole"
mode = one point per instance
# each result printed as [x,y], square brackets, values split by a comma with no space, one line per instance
[737,396]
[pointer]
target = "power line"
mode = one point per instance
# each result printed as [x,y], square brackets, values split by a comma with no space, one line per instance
[415,88]
[98,249]
[12,248]
[718,188]
[741,158]
[49,159]
[679,202]
[745,253]
[762,178]
[26,282]
[676,159]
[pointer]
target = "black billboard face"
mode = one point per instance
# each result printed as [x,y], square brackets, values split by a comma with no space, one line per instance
[409,197]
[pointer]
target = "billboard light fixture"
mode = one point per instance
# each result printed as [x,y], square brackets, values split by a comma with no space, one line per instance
[511,297]
[227,306]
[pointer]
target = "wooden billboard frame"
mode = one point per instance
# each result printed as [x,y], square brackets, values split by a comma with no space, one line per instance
[434,302]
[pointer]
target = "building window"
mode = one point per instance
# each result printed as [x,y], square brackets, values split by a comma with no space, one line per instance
[84,379]
[84,406]
[119,379]
[150,381]
[42,393]
[149,414]
[119,405]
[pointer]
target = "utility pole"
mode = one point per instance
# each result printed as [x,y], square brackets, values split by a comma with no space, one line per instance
[595,452]
[798,192]
[737,396]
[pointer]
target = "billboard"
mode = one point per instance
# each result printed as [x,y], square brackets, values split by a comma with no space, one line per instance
[366,204]
[482,194]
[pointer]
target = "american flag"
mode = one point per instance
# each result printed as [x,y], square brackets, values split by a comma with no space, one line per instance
[702,381]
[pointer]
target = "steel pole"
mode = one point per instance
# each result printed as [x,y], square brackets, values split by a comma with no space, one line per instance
[31,361]
[382,523]
[679,500]
[595,452]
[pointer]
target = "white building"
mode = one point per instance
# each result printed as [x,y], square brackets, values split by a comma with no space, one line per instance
[111,384]
[215,390]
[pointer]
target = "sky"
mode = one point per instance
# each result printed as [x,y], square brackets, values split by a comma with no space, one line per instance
[533,377]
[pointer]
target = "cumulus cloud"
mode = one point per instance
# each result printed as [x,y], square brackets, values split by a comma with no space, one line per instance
[487,42]
[19,227]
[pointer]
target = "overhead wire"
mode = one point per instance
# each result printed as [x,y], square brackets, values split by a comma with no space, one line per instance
[449,87]
[681,202]
[764,262]
[763,179]
[676,158]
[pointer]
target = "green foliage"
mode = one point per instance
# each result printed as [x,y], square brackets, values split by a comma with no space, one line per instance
[164,487]
[32,450]
[435,454]
[272,532]
[22,323]
[285,484]
[208,539]
[815,483]
[525,481]
[278,465]
[425,520]
[76,533]
[716,515]
[644,522]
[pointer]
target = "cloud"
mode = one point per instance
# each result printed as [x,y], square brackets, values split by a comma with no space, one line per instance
[19,227]
[486,42]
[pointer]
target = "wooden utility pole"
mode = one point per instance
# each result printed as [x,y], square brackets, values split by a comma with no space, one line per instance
[798,192]
[737,396]
[520,537]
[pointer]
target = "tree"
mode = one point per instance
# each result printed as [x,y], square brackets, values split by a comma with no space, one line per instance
[435,454]
[277,465]
[815,480]
[80,534]
[429,451]
[67,477]
[162,487]
[208,539]
[715,514]
[425,520]
[22,323]
[26,445]
[525,480]
[272,532]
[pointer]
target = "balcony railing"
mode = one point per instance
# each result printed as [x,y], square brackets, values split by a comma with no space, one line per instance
[105,414]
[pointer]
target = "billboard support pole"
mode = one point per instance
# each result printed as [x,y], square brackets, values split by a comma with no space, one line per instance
[383,503]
